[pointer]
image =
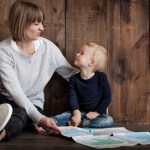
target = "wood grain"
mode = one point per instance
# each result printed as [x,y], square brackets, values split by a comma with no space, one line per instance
[122,27]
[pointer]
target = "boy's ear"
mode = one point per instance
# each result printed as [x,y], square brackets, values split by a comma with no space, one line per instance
[92,62]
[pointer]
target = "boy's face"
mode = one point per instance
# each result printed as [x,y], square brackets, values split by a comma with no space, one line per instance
[83,58]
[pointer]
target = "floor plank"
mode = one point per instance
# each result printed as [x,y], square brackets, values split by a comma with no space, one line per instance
[35,141]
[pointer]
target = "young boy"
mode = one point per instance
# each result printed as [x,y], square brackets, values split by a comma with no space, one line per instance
[89,92]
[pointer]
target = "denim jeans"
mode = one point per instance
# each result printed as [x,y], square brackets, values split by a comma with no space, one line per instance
[19,120]
[102,121]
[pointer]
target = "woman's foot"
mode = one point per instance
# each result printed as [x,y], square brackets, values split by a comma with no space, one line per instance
[5,114]
[2,134]
[71,123]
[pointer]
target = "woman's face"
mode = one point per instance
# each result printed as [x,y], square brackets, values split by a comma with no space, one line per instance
[33,31]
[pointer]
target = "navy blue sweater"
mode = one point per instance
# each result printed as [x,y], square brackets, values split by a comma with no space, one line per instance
[93,94]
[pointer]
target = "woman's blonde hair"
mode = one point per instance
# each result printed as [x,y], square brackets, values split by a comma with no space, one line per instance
[21,15]
[99,56]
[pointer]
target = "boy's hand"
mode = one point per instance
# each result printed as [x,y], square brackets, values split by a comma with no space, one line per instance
[91,115]
[76,119]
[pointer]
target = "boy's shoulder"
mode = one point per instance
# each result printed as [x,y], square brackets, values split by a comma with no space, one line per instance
[97,73]
[77,75]
[100,73]
[74,78]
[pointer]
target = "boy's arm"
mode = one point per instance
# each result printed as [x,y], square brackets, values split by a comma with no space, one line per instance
[73,103]
[72,95]
[106,95]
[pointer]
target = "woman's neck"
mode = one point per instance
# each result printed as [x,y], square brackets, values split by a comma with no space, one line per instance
[26,48]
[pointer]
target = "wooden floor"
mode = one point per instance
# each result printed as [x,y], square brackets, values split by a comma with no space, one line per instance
[34,141]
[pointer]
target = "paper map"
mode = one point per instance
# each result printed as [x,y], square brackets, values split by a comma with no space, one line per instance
[106,137]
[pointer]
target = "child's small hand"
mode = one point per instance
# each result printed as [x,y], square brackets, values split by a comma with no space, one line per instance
[91,115]
[75,121]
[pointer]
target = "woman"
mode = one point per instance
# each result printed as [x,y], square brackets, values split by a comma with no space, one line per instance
[27,63]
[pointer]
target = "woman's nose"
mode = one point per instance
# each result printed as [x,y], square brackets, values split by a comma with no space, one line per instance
[77,54]
[41,27]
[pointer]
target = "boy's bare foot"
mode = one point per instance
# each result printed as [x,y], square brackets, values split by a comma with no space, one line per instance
[39,129]
[72,123]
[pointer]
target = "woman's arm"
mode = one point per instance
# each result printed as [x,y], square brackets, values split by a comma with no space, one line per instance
[106,95]
[63,66]
[12,85]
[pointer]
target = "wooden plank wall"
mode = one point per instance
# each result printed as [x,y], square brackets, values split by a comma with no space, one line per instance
[122,27]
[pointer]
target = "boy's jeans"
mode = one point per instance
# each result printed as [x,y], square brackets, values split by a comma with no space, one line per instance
[102,121]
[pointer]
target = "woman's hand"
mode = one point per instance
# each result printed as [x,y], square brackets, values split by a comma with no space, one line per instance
[49,125]
[91,115]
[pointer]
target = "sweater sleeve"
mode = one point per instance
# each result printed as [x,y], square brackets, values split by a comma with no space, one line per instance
[72,95]
[13,87]
[106,95]
[63,66]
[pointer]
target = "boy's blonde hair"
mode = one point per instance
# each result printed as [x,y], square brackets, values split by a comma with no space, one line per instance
[99,56]
[21,15]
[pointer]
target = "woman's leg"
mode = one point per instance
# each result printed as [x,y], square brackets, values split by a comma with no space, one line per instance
[62,119]
[17,123]
[102,121]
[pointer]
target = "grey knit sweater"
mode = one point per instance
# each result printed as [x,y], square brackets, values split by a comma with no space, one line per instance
[23,78]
